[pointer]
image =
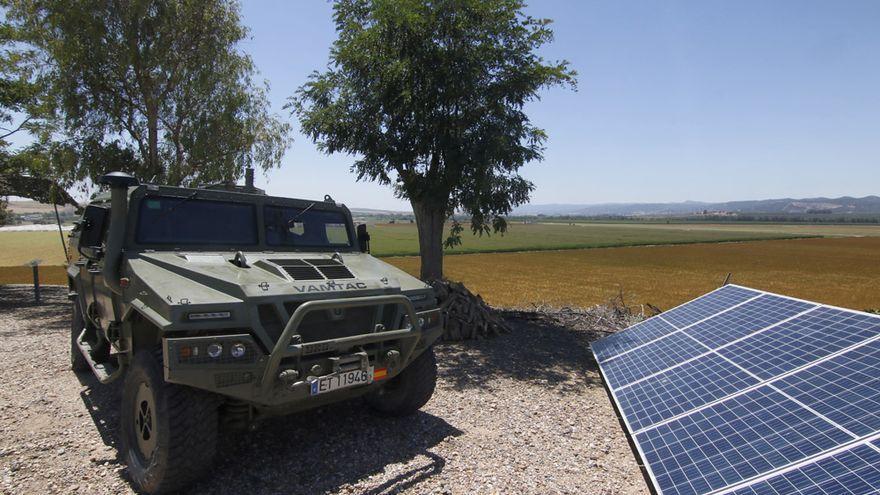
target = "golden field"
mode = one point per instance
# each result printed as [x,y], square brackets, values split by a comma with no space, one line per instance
[842,272]
[839,271]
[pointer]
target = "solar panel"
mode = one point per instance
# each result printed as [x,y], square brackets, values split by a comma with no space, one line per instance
[794,343]
[635,336]
[742,391]
[856,470]
[680,390]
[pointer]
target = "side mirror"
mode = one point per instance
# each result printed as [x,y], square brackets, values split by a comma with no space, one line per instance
[92,228]
[363,238]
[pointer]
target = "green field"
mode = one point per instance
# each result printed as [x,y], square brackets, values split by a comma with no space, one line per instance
[401,239]
[17,248]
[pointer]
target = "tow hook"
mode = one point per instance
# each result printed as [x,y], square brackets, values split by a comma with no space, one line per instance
[393,358]
[289,377]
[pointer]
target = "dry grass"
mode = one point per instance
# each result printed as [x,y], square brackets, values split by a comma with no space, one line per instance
[49,275]
[17,248]
[843,272]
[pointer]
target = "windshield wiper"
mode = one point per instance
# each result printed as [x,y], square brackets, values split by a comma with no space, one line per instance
[295,218]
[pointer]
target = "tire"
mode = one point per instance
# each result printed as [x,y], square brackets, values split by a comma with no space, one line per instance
[407,392]
[78,362]
[169,432]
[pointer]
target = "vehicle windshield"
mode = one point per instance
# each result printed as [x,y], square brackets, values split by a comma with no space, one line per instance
[190,221]
[306,227]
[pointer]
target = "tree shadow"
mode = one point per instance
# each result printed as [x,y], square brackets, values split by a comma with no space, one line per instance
[53,310]
[540,349]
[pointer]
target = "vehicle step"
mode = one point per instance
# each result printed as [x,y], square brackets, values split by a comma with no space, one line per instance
[104,372]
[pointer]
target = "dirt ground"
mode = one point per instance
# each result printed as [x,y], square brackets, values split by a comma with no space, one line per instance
[520,413]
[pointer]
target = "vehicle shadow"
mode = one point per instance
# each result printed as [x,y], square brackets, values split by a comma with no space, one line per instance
[315,451]
[327,449]
[539,349]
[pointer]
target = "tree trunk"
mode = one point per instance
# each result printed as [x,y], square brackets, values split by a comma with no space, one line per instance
[153,142]
[429,221]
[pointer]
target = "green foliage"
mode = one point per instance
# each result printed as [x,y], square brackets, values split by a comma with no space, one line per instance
[156,88]
[4,211]
[429,97]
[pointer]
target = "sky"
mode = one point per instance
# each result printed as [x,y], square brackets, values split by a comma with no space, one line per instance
[703,100]
[677,100]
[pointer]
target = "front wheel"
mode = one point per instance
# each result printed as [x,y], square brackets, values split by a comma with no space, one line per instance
[407,392]
[169,432]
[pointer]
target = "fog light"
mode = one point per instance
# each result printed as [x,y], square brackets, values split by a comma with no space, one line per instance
[238,350]
[214,350]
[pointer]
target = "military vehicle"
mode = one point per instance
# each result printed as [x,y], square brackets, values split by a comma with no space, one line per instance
[219,306]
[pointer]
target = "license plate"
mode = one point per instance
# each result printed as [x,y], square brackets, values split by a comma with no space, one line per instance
[344,379]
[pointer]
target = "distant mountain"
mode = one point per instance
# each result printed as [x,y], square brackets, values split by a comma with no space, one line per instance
[843,205]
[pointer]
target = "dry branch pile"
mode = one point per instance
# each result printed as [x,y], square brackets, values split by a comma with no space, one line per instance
[465,314]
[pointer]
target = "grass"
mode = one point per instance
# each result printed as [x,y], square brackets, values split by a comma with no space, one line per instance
[842,272]
[402,239]
[17,248]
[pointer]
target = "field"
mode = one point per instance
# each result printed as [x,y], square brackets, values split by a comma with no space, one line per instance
[666,270]
[842,272]
[401,239]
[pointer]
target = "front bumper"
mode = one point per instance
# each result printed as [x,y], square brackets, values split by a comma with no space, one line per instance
[283,376]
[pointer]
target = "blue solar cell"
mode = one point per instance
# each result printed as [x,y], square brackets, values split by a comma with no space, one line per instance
[705,306]
[634,336]
[846,388]
[660,377]
[802,340]
[647,360]
[680,390]
[748,318]
[734,440]
[853,471]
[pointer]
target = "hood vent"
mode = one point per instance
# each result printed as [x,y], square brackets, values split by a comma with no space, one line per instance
[314,269]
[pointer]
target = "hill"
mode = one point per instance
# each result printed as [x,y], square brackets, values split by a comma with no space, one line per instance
[842,205]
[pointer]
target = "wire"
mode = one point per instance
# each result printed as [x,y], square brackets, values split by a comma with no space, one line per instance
[61,232]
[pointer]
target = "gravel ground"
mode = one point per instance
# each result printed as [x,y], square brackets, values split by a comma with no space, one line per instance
[521,413]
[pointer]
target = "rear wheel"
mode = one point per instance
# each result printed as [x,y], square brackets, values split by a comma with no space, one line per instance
[407,392]
[78,362]
[169,432]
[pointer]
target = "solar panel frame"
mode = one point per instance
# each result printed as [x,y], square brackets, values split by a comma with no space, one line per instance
[637,447]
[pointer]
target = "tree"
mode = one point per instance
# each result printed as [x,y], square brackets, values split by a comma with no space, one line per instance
[155,87]
[429,97]
[26,107]
[4,211]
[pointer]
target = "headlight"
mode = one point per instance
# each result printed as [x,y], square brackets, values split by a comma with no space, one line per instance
[215,350]
[238,350]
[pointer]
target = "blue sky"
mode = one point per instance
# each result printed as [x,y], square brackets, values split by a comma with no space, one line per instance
[678,100]
[703,100]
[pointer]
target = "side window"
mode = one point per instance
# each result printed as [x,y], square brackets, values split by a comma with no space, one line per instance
[95,223]
[337,234]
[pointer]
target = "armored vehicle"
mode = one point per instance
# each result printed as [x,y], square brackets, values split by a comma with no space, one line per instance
[220,306]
